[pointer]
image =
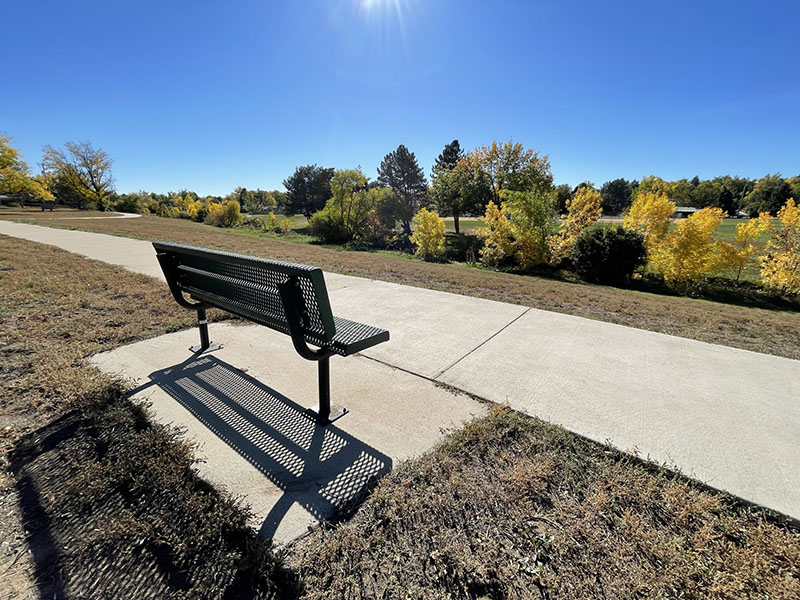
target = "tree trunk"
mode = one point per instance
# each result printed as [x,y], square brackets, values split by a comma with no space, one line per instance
[455,222]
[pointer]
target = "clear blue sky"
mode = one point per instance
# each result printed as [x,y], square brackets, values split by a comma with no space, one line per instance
[210,95]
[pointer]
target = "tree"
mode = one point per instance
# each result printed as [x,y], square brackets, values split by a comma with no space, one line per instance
[709,193]
[224,214]
[735,190]
[688,253]
[428,234]
[400,172]
[736,256]
[308,189]
[769,194]
[496,235]
[464,189]
[81,172]
[650,215]
[510,167]
[583,210]
[350,215]
[449,158]
[794,184]
[780,268]
[533,219]
[616,196]
[15,177]
[563,195]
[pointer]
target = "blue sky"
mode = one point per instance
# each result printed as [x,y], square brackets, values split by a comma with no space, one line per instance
[210,95]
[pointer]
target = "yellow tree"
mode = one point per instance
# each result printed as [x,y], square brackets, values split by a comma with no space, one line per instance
[15,177]
[780,268]
[736,256]
[583,209]
[509,166]
[428,234]
[688,253]
[496,236]
[650,215]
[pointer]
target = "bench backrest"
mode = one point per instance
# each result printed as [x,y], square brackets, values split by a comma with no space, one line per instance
[248,286]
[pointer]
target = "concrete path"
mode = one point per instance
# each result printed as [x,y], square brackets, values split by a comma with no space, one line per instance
[730,418]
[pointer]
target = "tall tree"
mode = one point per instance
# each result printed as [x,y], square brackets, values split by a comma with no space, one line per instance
[81,173]
[400,171]
[769,194]
[449,158]
[462,190]
[616,196]
[307,189]
[512,168]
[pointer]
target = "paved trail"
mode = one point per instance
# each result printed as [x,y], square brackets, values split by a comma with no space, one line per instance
[729,417]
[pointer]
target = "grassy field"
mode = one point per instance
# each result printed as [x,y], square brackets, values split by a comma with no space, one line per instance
[99,502]
[770,330]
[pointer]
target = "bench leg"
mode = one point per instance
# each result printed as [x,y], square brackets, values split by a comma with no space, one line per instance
[327,412]
[202,324]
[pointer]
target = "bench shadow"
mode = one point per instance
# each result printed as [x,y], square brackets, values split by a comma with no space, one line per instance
[323,469]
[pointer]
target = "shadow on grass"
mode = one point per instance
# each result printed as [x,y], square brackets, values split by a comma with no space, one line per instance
[323,469]
[57,531]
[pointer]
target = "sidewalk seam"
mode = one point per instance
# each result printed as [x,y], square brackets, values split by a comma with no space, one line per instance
[499,331]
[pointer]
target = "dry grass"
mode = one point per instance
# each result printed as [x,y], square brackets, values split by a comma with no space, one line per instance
[511,507]
[761,330]
[97,501]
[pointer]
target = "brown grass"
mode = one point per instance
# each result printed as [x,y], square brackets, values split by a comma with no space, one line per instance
[770,331]
[98,501]
[511,507]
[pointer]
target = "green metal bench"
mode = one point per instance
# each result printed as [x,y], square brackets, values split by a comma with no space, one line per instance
[285,297]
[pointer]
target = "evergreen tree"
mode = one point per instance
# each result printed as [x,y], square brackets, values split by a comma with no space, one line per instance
[400,171]
[308,189]
[449,157]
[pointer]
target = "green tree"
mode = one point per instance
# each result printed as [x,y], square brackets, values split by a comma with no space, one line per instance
[81,174]
[769,194]
[400,172]
[308,189]
[563,196]
[351,214]
[533,219]
[463,189]
[510,167]
[616,196]
[449,158]
[708,193]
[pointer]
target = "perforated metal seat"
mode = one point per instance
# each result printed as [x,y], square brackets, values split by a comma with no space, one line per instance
[289,298]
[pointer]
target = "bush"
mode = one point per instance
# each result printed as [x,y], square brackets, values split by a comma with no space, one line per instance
[462,247]
[608,255]
[224,214]
[128,203]
[428,234]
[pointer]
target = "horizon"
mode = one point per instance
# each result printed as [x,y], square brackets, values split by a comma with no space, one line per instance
[203,98]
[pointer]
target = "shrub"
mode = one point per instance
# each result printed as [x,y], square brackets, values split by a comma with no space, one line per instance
[608,255]
[496,235]
[128,203]
[462,247]
[428,234]
[224,214]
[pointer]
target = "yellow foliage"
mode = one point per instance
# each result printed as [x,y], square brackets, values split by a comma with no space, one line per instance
[224,214]
[428,234]
[583,210]
[496,236]
[780,268]
[735,257]
[649,214]
[688,253]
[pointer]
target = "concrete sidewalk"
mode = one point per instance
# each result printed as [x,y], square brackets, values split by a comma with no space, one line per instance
[728,417]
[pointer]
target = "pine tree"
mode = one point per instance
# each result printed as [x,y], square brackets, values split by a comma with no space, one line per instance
[400,171]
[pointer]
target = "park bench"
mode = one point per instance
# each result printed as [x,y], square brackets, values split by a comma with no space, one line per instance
[285,297]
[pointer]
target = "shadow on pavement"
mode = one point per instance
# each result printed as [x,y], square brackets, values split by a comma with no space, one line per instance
[325,470]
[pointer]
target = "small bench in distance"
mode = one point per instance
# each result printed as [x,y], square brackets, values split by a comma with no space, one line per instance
[289,298]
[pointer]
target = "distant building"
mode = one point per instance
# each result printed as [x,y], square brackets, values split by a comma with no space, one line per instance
[683,211]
